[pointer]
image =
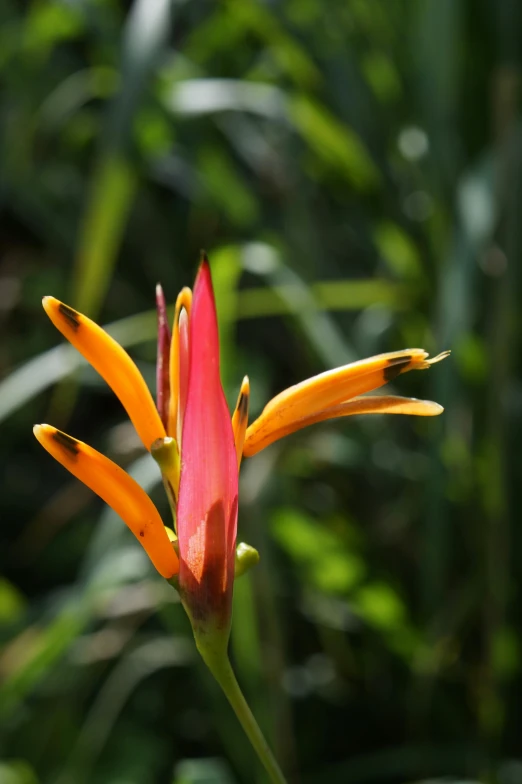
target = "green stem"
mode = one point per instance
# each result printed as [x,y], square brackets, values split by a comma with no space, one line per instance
[220,667]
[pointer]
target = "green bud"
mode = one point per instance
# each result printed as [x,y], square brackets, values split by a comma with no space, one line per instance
[246,558]
[166,454]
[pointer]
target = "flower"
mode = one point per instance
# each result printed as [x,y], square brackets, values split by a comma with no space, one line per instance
[199,448]
[195,442]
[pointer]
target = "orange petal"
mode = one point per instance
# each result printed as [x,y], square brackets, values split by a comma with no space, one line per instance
[240,418]
[314,396]
[117,489]
[112,363]
[370,404]
[178,356]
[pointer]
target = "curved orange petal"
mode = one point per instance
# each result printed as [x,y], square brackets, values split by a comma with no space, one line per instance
[112,363]
[370,404]
[317,394]
[117,489]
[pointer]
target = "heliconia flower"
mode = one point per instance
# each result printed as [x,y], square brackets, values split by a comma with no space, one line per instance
[191,435]
[199,448]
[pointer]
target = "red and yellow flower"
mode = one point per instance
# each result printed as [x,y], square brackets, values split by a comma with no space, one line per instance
[196,443]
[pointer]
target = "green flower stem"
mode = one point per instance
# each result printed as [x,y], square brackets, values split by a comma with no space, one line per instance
[219,665]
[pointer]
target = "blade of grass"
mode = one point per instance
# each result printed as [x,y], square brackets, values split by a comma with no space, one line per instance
[114,181]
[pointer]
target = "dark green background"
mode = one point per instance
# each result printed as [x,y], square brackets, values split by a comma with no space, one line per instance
[354,170]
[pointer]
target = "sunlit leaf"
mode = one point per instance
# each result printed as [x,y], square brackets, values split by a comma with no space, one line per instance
[328,562]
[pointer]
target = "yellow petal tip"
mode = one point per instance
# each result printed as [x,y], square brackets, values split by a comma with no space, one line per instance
[49,301]
[42,430]
[430,408]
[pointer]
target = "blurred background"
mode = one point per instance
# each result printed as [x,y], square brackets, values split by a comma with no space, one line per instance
[354,170]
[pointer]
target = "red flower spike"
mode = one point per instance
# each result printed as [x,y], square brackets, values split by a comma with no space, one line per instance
[162,363]
[207,504]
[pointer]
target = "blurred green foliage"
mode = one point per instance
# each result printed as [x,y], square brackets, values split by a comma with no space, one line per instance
[354,169]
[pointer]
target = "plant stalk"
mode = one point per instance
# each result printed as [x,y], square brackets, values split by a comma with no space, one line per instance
[220,667]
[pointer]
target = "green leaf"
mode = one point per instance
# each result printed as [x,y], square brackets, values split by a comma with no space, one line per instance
[12,603]
[397,249]
[335,143]
[382,76]
[49,23]
[202,771]
[380,606]
[17,772]
[326,558]
[114,181]
[112,193]
[226,187]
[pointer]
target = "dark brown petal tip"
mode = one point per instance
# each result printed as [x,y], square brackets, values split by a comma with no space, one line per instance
[69,443]
[242,405]
[70,315]
[395,367]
